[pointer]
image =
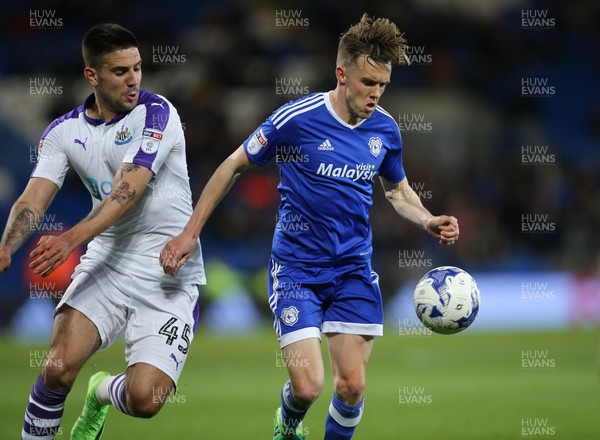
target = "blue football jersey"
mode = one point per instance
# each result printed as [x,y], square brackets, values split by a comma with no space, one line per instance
[327,170]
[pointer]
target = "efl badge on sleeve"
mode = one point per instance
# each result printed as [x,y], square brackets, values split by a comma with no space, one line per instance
[150,140]
[258,141]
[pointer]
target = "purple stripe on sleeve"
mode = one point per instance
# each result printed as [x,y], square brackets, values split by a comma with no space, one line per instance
[157,110]
[157,118]
[144,159]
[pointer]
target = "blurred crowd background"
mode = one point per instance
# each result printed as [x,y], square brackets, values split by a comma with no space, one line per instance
[518,167]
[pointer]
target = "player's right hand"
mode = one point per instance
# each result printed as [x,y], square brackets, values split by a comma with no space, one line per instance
[5,259]
[176,252]
[444,228]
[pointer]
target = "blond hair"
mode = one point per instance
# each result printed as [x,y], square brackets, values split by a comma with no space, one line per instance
[379,39]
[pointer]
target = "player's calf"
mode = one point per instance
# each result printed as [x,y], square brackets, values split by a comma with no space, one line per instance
[59,372]
[146,390]
[146,401]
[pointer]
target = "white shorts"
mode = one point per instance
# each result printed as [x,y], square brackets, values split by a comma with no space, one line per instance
[158,321]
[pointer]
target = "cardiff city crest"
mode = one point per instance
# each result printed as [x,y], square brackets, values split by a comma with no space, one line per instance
[375,146]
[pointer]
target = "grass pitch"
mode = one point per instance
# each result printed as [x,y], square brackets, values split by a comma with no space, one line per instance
[465,386]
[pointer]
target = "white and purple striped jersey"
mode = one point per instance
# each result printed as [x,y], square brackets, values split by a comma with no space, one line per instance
[327,170]
[150,135]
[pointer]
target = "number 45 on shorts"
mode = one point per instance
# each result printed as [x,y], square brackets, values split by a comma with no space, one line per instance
[171,331]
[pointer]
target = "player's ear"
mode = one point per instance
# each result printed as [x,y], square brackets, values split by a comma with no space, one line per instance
[340,74]
[91,75]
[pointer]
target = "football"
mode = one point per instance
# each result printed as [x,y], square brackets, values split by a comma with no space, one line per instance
[446,300]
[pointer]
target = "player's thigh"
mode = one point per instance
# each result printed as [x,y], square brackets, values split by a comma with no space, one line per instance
[80,320]
[160,327]
[303,359]
[74,339]
[348,353]
[98,293]
[304,363]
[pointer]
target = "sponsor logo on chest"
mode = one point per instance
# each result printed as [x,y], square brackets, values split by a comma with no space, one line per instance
[362,171]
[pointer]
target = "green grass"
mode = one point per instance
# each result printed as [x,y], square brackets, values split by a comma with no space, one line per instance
[472,386]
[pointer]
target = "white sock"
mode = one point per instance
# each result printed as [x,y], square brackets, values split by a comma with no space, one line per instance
[102,393]
[112,391]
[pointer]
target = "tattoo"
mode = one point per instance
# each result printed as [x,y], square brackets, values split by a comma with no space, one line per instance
[22,222]
[128,167]
[122,194]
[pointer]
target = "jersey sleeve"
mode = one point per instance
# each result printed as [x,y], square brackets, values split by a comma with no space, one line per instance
[392,168]
[157,131]
[262,145]
[52,162]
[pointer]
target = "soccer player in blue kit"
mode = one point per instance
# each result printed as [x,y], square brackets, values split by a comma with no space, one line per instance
[329,148]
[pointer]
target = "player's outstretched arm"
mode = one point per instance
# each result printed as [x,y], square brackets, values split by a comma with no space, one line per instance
[179,249]
[407,203]
[24,217]
[128,186]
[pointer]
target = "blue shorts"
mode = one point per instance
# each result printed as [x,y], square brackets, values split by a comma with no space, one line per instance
[308,301]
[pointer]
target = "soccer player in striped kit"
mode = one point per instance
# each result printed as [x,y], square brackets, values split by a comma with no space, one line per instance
[128,147]
[329,147]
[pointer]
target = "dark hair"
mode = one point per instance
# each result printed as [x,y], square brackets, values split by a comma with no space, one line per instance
[102,39]
[379,39]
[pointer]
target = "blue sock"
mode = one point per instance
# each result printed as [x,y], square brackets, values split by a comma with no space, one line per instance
[342,419]
[44,412]
[292,412]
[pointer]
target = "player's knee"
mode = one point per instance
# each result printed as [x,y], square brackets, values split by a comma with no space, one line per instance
[307,391]
[143,403]
[58,372]
[350,390]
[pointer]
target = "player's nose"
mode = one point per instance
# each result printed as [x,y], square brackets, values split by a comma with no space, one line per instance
[376,92]
[133,79]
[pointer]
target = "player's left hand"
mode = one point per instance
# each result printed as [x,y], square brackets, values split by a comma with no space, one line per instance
[444,228]
[51,252]
[176,252]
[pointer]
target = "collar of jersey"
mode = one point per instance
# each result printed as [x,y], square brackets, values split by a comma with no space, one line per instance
[336,117]
[88,103]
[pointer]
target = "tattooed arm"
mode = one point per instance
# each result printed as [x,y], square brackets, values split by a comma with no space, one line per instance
[24,217]
[128,186]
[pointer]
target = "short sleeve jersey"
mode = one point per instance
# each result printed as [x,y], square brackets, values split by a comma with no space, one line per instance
[151,136]
[327,171]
